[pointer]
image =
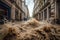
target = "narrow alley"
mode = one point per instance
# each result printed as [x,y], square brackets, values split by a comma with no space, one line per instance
[29,20]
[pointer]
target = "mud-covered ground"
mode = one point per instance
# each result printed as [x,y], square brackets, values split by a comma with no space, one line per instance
[30,30]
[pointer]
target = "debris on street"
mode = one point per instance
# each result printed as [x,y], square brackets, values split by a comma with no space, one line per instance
[30,30]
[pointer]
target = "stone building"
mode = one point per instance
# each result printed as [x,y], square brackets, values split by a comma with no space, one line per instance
[27,16]
[25,9]
[26,12]
[36,9]
[12,9]
[47,10]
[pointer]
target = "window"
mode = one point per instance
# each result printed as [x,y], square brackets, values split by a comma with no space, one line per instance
[49,8]
[52,1]
[12,1]
[45,14]
[45,1]
[16,14]
[58,4]
[1,12]
[41,16]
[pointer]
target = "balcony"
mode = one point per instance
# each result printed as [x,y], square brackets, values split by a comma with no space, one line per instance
[46,2]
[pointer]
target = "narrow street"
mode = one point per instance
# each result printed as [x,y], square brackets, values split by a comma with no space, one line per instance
[29,20]
[29,30]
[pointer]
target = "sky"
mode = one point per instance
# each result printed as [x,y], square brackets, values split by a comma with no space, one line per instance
[30,4]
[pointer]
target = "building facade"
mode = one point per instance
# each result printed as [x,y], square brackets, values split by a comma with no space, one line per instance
[36,8]
[25,9]
[48,10]
[12,9]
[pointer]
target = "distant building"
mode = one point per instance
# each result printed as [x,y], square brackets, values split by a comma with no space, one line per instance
[36,9]
[25,9]
[46,10]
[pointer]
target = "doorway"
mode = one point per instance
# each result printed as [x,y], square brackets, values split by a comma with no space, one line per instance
[58,4]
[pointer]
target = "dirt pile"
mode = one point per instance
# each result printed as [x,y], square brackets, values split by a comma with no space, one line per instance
[31,30]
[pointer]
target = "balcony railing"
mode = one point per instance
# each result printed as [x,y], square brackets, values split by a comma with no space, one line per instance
[46,2]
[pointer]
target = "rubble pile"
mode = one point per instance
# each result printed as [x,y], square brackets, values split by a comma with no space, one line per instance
[3,31]
[47,32]
[31,24]
[31,30]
